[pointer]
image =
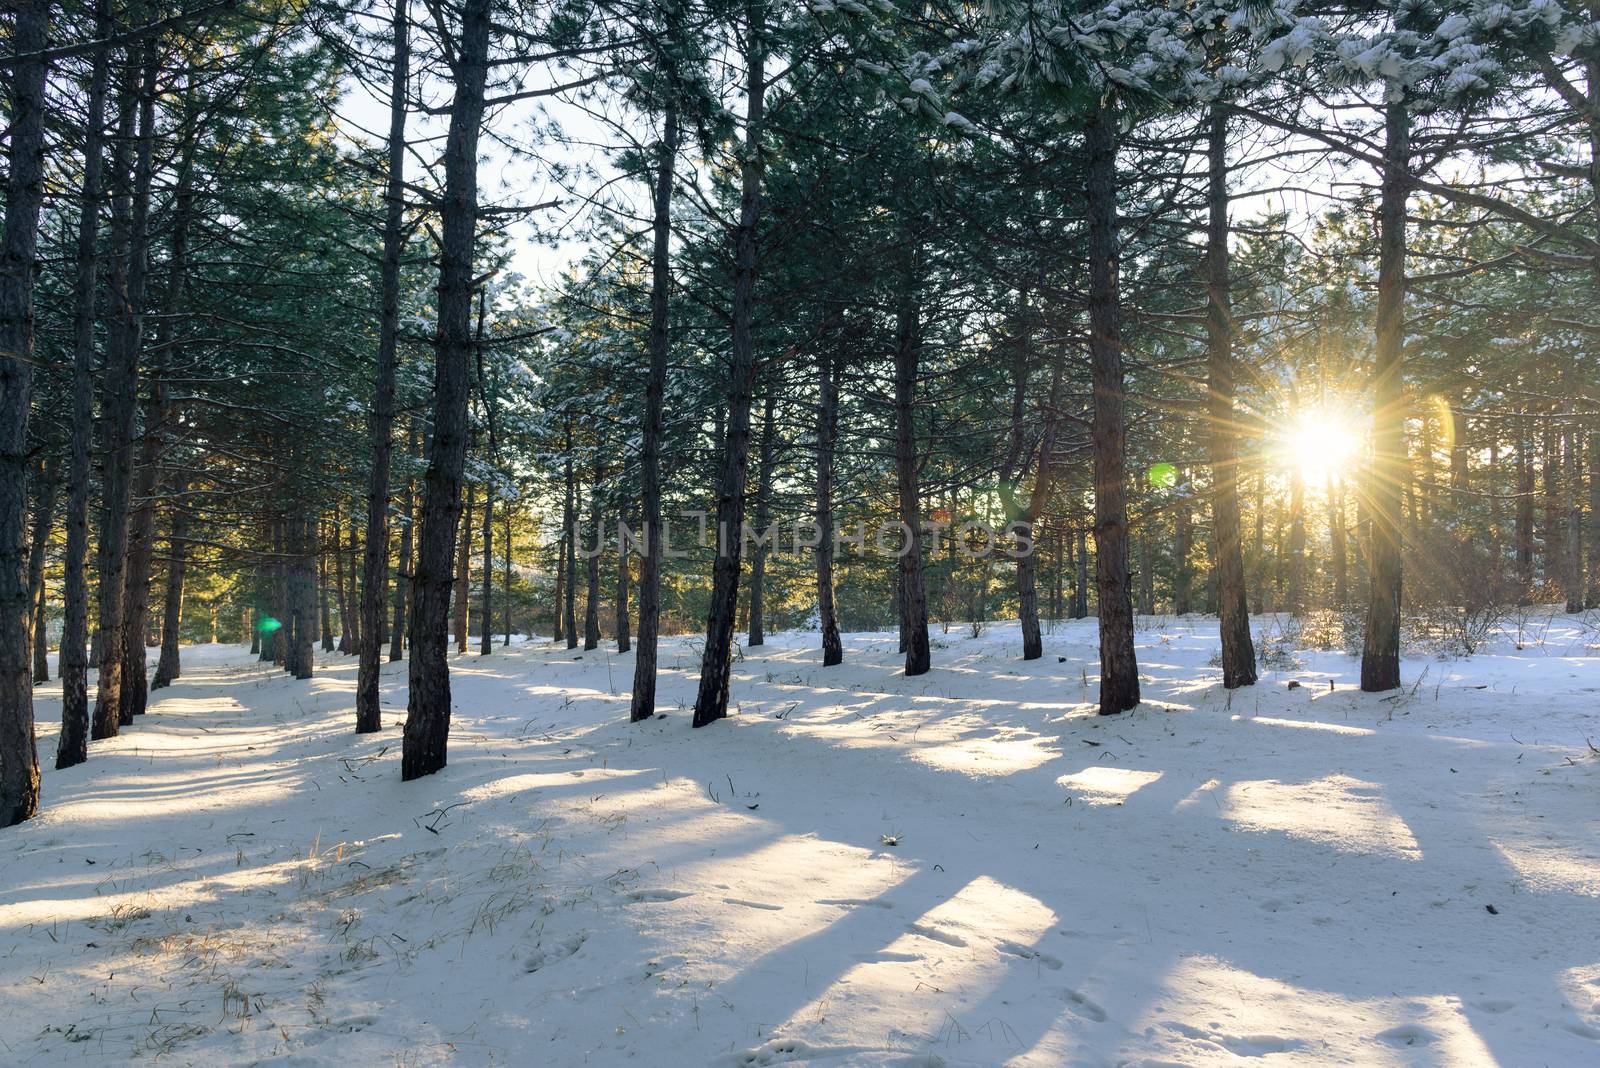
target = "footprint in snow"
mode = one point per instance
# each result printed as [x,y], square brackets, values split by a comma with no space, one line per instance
[752,904]
[937,935]
[645,896]
[1084,1007]
[1407,1035]
[547,955]
[1494,1005]
[1026,953]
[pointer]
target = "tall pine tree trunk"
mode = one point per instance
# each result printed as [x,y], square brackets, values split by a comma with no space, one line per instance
[19,758]
[758,554]
[168,666]
[339,592]
[428,713]
[642,702]
[1233,610]
[402,582]
[1380,654]
[591,593]
[907,360]
[44,510]
[711,702]
[486,608]
[569,523]
[1080,575]
[827,433]
[375,565]
[130,238]
[1119,668]
[73,664]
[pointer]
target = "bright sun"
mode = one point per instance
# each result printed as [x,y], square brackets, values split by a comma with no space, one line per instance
[1321,443]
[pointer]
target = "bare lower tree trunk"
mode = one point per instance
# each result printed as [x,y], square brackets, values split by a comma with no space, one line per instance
[19,758]
[352,595]
[557,631]
[302,597]
[1572,575]
[73,665]
[324,604]
[505,555]
[428,715]
[624,640]
[1592,591]
[1147,569]
[1024,519]
[168,667]
[569,522]
[908,352]
[1119,668]
[44,508]
[1380,654]
[402,582]
[642,703]
[141,551]
[1080,575]
[346,639]
[486,623]
[711,702]
[1524,521]
[1182,545]
[463,589]
[375,564]
[130,240]
[591,593]
[758,554]
[827,433]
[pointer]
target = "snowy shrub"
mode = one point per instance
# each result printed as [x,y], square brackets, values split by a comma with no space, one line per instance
[1278,643]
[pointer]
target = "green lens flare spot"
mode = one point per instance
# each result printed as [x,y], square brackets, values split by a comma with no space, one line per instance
[268,625]
[1163,476]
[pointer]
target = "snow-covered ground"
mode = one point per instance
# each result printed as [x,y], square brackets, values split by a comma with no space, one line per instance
[967,868]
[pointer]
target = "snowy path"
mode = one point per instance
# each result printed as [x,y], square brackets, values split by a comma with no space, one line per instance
[858,869]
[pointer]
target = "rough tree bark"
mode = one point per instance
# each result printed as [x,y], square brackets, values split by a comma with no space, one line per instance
[73,664]
[158,419]
[1080,574]
[130,263]
[340,594]
[591,591]
[402,581]
[375,564]
[758,554]
[711,702]
[168,667]
[44,513]
[907,359]
[1380,653]
[1025,517]
[486,605]
[1119,668]
[19,758]
[827,434]
[624,639]
[428,712]
[569,547]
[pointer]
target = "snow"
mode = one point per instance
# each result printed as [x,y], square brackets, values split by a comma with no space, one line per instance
[966,868]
